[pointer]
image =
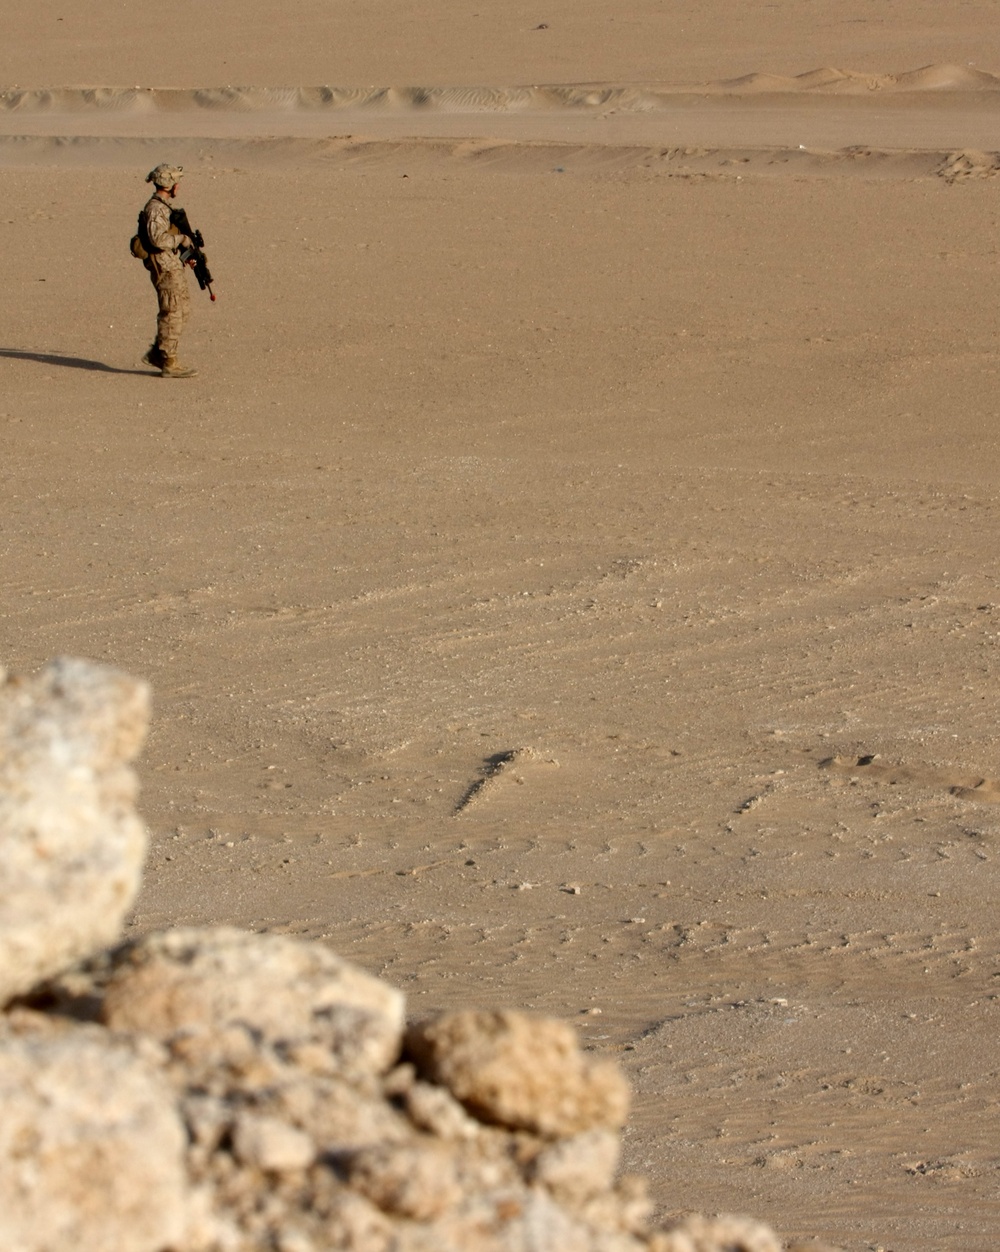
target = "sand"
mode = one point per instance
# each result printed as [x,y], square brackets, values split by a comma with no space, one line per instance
[570,583]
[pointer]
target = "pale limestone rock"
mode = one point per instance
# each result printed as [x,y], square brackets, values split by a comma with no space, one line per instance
[294,1241]
[438,1112]
[285,991]
[354,1224]
[578,1168]
[723,1233]
[91,1147]
[272,1145]
[810,1245]
[208,1119]
[71,846]
[624,1207]
[229,1058]
[417,1180]
[519,1071]
[519,1220]
[336,1115]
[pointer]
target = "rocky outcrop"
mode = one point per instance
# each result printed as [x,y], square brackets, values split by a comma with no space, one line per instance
[92,1145]
[298,998]
[72,845]
[231,1092]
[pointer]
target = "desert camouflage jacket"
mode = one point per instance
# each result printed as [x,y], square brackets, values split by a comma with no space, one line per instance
[162,236]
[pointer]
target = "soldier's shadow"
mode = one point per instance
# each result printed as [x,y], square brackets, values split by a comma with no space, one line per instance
[70,362]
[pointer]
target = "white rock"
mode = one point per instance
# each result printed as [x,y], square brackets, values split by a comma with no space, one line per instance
[91,1148]
[271,1144]
[580,1167]
[286,991]
[71,846]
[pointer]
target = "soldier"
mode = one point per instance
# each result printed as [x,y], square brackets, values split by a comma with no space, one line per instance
[163,242]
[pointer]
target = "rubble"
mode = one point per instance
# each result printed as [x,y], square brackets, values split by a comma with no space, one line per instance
[92,1145]
[233,1092]
[290,995]
[519,1072]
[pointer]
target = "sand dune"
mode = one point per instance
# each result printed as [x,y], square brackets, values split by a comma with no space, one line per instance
[627,97]
[833,81]
[939,109]
[499,155]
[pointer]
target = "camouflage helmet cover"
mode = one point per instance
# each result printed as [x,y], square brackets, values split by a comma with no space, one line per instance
[165,175]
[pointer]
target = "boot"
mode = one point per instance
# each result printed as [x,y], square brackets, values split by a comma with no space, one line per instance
[172,368]
[154,357]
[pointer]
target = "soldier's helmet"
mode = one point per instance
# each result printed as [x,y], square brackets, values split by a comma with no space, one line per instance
[165,175]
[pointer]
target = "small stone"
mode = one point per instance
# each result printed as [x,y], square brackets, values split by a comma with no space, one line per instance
[436,1110]
[578,1168]
[715,1234]
[336,1115]
[271,1144]
[521,1072]
[356,1223]
[418,1181]
[294,1241]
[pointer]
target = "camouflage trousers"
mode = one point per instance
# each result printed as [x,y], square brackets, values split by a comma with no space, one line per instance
[175,304]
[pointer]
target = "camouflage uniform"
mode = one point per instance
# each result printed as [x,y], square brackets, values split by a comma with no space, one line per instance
[167,271]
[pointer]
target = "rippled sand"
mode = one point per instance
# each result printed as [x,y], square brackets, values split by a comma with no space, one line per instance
[570,581]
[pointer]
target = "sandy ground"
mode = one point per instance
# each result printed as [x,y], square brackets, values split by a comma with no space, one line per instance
[184,43]
[571,581]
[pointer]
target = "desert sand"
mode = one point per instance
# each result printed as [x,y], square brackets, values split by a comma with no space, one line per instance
[570,583]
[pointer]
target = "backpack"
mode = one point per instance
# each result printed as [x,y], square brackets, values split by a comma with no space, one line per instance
[139,244]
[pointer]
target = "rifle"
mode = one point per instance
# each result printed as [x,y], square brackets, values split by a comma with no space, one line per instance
[179,219]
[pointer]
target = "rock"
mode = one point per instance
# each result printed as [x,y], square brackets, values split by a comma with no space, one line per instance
[247,1093]
[285,991]
[579,1168]
[71,845]
[271,1145]
[520,1072]
[337,1116]
[625,1208]
[91,1147]
[437,1111]
[356,1225]
[416,1180]
[519,1220]
[723,1233]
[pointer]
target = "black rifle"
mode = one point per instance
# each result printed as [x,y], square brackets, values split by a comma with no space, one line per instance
[179,219]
